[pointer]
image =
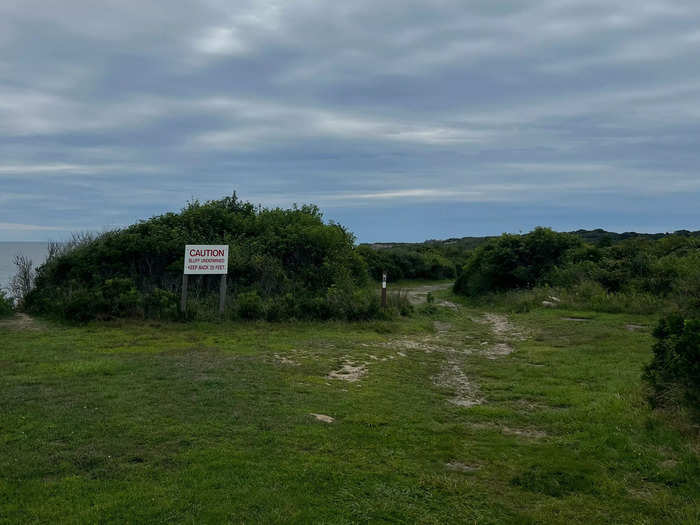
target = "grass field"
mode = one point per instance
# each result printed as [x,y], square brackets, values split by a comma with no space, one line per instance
[450,416]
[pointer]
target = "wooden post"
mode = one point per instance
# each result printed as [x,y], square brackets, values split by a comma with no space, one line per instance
[183,299]
[222,294]
[383,289]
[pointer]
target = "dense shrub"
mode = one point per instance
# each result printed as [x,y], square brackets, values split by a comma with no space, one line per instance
[6,305]
[514,261]
[282,263]
[636,274]
[674,372]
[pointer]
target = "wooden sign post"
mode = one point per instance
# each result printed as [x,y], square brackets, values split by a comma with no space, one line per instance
[383,289]
[205,259]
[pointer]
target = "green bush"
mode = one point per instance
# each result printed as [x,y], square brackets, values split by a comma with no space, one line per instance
[283,263]
[120,298]
[674,372]
[512,262]
[7,307]
[161,304]
[250,306]
[638,275]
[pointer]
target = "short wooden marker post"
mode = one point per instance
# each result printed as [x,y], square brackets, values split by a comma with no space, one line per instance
[383,289]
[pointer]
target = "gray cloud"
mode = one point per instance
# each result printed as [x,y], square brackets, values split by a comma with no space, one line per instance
[114,111]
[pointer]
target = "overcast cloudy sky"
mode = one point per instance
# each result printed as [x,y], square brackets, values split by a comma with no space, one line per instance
[403,120]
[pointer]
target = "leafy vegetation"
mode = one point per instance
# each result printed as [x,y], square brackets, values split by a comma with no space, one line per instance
[407,263]
[674,372]
[514,261]
[6,304]
[660,273]
[282,264]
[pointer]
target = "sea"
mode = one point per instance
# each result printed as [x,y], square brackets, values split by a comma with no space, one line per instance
[36,251]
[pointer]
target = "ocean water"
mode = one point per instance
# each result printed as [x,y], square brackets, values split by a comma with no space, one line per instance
[36,251]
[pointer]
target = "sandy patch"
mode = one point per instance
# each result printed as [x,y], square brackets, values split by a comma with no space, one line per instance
[502,327]
[285,360]
[348,372]
[498,350]
[448,304]
[524,432]
[635,327]
[466,392]
[419,295]
[526,404]
[577,319]
[668,464]
[323,417]
[20,321]
[441,327]
[425,344]
[530,433]
[461,467]
[504,331]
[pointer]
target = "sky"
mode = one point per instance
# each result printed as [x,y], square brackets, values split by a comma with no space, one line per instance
[402,120]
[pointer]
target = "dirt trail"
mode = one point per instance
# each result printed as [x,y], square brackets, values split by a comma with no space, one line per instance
[419,294]
[453,377]
[20,321]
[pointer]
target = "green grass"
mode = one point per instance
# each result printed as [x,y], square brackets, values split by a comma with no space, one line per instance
[205,423]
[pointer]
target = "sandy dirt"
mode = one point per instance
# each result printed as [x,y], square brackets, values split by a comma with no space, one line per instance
[419,295]
[323,417]
[461,467]
[20,321]
[453,377]
[348,372]
[502,327]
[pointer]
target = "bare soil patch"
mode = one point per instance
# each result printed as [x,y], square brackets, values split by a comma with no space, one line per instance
[461,467]
[504,331]
[323,417]
[20,321]
[502,327]
[524,432]
[498,350]
[529,433]
[441,327]
[427,344]
[419,295]
[349,372]
[454,378]
[285,360]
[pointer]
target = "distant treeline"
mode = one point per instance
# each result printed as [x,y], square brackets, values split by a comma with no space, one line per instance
[445,259]
[645,268]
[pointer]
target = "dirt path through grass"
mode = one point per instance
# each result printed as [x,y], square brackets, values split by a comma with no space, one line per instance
[20,321]
[449,415]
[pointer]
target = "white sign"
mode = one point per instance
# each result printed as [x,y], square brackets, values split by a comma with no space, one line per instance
[207,259]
